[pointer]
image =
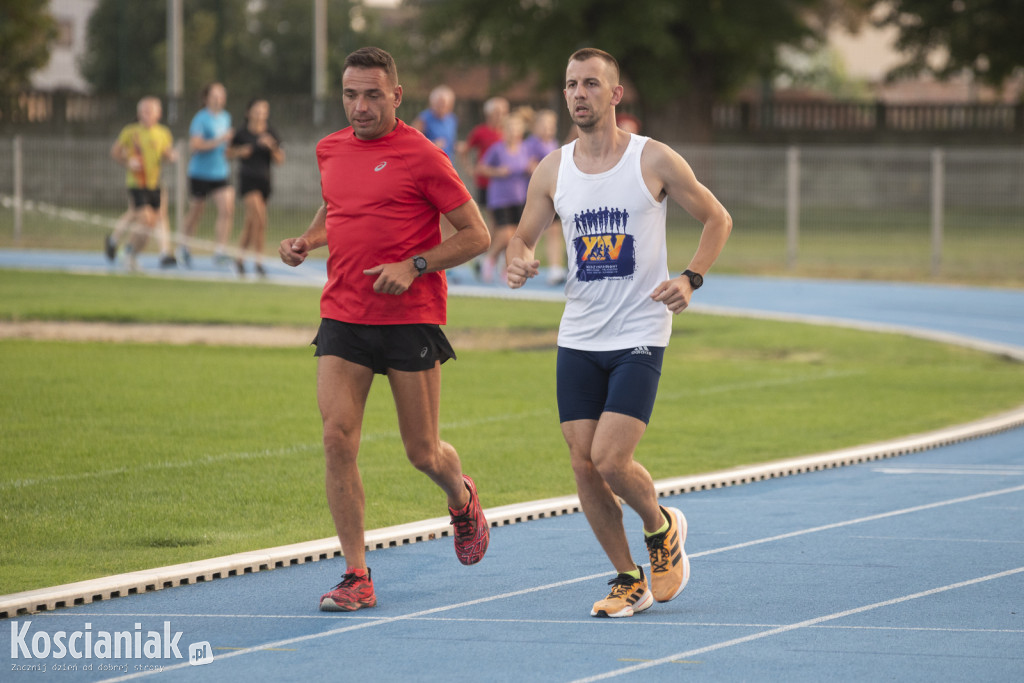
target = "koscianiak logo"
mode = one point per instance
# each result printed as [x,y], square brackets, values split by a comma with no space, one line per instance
[34,649]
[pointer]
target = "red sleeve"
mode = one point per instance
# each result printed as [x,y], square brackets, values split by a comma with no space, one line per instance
[438,180]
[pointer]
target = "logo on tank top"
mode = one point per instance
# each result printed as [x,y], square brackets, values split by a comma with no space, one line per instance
[604,251]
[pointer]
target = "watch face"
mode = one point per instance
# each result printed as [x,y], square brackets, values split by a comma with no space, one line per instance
[696,280]
[420,263]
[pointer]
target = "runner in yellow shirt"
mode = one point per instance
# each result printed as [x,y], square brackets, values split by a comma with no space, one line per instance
[141,148]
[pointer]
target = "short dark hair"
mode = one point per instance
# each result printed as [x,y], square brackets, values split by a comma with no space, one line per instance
[374,58]
[583,54]
[205,92]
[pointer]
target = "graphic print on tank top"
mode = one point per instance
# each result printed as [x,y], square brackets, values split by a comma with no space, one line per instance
[603,248]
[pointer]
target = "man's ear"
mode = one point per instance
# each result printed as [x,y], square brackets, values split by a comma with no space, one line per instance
[617,93]
[398,96]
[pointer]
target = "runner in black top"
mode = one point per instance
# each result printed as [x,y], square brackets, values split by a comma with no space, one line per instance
[256,146]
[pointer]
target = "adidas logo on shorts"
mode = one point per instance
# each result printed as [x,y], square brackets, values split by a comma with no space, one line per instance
[641,351]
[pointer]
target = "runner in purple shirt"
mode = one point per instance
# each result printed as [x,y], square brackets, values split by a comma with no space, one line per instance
[542,141]
[508,166]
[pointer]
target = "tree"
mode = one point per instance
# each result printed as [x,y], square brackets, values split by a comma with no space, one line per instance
[27,30]
[945,38]
[255,48]
[680,56]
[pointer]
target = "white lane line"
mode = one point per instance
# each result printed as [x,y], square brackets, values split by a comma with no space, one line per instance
[937,470]
[366,624]
[638,623]
[859,520]
[604,574]
[926,539]
[792,627]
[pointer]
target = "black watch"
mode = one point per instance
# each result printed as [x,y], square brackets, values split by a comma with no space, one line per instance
[420,264]
[696,279]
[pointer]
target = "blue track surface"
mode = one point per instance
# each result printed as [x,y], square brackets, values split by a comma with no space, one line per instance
[909,569]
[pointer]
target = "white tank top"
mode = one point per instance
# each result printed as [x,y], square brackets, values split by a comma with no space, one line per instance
[615,239]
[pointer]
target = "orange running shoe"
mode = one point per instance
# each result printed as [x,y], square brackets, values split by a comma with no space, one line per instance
[354,592]
[670,567]
[472,533]
[628,597]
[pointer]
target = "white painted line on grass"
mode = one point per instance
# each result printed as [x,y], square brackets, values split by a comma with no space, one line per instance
[268,453]
[792,627]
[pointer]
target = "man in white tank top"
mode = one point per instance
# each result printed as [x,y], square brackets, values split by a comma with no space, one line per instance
[610,189]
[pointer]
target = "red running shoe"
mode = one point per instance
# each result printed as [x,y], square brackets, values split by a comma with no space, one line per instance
[354,592]
[472,533]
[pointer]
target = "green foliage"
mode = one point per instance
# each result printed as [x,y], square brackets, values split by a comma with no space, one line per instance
[675,53]
[27,30]
[980,36]
[254,48]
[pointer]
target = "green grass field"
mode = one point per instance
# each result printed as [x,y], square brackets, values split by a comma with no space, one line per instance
[119,457]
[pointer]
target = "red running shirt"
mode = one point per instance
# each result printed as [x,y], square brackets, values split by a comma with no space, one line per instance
[384,198]
[480,139]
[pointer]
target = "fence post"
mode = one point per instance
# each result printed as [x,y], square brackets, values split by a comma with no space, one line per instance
[18,188]
[792,206]
[180,180]
[938,203]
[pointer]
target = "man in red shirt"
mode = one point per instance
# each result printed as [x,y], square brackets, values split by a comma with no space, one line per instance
[481,138]
[384,187]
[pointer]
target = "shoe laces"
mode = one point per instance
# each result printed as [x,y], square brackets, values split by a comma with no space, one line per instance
[658,552]
[622,584]
[349,580]
[464,524]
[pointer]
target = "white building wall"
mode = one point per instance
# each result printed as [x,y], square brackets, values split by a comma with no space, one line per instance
[62,72]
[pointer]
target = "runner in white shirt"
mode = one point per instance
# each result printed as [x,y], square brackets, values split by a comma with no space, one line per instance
[610,188]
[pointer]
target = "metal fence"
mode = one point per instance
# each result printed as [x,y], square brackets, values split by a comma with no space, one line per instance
[883,212]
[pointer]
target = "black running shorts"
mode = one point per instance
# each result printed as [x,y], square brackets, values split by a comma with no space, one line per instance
[589,383]
[408,348]
[141,197]
[249,183]
[200,189]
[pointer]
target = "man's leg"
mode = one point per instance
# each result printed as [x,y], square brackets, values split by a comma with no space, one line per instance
[113,240]
[603,464]
[592,443]
[224,199]
[195,212]
[615,440]
[342,388]
[418,403]
[143,221]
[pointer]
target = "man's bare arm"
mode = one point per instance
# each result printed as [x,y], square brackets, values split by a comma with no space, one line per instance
[294,250]
[537,216]
[665,169]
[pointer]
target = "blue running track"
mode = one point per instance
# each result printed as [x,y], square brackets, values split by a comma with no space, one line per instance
[907,569]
